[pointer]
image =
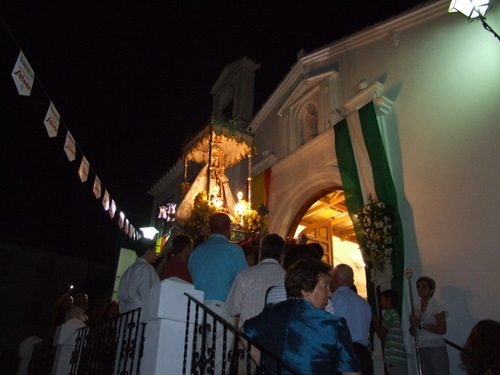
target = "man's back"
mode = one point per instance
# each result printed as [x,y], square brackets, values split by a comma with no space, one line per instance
[138,278]
[247,296]
[356,311]
[214,264]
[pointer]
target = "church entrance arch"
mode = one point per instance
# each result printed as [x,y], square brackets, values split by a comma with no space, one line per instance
[323,219]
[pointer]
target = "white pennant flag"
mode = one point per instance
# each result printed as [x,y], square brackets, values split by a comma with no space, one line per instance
[105,200]
[112,209]
[52,119]
[69,147]
[83,171]
[97,187]
[121,219]
[23,75]
[127,228]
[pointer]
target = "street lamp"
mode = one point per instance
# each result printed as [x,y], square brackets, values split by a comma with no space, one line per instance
[149,232]
[473,9]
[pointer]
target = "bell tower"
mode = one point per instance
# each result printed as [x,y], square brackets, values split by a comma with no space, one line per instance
[233,92]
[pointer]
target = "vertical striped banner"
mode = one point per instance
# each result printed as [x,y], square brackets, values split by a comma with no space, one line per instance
[364,169]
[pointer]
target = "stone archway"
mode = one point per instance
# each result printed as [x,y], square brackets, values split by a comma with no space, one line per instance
[323,219]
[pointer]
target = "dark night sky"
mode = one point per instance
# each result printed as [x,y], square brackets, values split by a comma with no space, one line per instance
[131,81]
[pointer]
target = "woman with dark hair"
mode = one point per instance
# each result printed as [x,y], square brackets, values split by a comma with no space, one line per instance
[429,318]
[481,354]
[177,263]
[307,339]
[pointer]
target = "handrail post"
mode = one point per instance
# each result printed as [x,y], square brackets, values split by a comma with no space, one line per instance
[164,311]
[65,341]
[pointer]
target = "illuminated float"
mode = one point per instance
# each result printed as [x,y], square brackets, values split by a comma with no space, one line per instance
[217,147]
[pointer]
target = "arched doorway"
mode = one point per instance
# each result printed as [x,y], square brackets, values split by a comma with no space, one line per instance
[324,219]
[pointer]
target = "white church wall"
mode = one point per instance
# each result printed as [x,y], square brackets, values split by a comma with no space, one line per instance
[441,139]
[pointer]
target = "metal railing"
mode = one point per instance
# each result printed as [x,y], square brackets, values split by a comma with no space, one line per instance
[113,346]
[201,338]
[42,358]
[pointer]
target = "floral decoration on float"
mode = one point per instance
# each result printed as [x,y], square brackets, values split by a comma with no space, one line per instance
[375,221]
[245,222]
[197,224]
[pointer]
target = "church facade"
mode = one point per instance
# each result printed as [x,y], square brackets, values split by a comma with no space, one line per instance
[433,81]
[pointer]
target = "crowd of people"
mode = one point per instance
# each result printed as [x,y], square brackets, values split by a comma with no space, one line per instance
[296,307]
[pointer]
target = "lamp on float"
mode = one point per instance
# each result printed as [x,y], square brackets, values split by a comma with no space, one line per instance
[473,9]
[149,232]
[240,207]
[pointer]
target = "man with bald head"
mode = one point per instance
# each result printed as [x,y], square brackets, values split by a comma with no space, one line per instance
[356,311]
[213,265]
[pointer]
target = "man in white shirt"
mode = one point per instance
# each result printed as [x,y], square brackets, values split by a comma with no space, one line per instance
[139,277]
[247,295]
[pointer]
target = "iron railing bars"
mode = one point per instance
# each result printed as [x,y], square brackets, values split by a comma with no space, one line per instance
[195,360]
[113,346]
[42,358]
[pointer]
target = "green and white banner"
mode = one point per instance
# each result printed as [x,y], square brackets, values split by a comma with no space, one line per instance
[364,170]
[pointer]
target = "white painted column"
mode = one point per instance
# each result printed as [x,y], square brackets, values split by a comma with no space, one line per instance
[25,352]
[165,312]
[65,341]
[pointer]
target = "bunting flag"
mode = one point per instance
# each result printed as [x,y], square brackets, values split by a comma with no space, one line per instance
[97,187]
[70,147]
[52,119]
[364,169]
[112,209]
[23,75]
[121,219]
[105,201]
[83,171]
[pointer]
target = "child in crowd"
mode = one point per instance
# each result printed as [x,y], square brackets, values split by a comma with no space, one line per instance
[389,331]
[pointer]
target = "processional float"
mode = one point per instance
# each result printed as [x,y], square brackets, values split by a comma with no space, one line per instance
[218,146]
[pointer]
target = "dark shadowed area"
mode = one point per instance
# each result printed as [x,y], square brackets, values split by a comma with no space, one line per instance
[131,81]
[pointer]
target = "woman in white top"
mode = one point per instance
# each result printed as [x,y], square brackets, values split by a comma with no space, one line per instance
[430,319]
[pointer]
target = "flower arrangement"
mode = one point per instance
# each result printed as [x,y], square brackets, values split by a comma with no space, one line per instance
[202,211]
[375,221]
[250,221]
[253,220]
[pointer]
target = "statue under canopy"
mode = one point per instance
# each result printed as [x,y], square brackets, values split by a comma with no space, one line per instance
[218,146]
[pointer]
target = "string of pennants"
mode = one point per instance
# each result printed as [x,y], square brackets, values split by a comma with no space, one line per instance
[24,78]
